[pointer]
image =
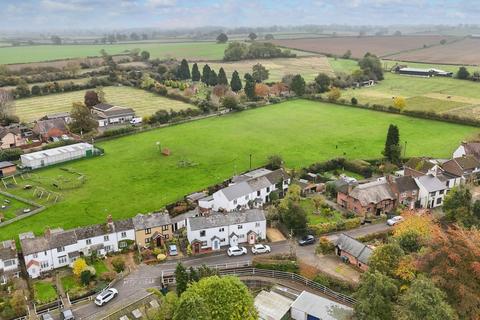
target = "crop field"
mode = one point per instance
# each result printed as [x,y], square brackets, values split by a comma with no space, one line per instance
[143,102]
[134,177]
[440,95]
[381,46]
[459,52]
[187,50]
[308,67]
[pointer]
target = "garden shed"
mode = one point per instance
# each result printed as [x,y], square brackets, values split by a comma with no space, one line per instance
[49,157]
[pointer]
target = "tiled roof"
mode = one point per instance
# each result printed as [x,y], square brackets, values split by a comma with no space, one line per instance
[419,164]
[354,247]
[220,219]
[405,183]
[372,192]
[145,221]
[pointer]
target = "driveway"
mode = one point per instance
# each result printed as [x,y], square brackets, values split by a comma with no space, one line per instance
[134,286]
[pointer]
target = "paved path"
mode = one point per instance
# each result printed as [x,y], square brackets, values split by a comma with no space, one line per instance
[134,286]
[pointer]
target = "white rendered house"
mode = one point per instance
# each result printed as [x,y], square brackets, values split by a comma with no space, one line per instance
[9,265]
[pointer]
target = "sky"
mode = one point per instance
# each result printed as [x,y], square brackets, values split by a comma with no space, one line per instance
[171,14]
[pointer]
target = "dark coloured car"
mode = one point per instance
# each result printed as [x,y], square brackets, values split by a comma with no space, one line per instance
[308,239]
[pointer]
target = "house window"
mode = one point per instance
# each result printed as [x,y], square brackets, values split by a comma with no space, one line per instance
[108,248]
[124,234]
[202,233]
[204,243]
[62,259]
[439,200]
[235,202]
[148,231]
[8,263]
[89,241]
[60,249]
[441,191]
[35,256]
[246,197]
[106,238]
[147,240]
[268,189]
[241,236]
[44,264]
[258,193]
[221,229]
[414,192]
[222,240]
[432,194]
[122,244]
[239,227]
[166,236]
[165,228]
[257,224]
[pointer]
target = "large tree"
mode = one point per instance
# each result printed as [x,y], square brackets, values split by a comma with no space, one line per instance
[205,73]
[375,297]
[222,38]
[236,82]
[181,278]
[249,86]
[145,55]
[184,70]
[91,98]
[195,73]
[235,51]
[252,36]
[6,103]
[463,73]
[298,85]
[216,298]
[260,73]
[222,77]
[458,207]
[385,259]
[82,119]
[423,301]
[452,261]
[371,66]
[212,78]
[323,82]
[392,150]
[292,214]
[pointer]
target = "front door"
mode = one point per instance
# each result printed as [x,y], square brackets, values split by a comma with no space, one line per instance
[234,241]
[252,238]
[196,247]
[159,241]
[215,244]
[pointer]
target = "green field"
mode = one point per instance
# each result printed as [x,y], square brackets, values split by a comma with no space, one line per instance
[133,177]
[143,102]
[437,94]
[37,53]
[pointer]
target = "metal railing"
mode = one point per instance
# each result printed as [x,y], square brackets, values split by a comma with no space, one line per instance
[254,272]
[229,265]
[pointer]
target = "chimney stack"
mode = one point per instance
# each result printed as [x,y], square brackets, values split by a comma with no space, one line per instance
[48,232]
[109,219]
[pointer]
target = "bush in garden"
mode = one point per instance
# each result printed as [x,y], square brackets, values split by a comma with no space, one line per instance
[118,264]
[108,276]
[324,246]
[86,277]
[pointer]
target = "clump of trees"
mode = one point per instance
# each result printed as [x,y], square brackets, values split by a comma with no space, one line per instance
[393,150]
[83,120]
[256,50]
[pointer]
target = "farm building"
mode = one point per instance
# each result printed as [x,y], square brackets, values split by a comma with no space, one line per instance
[108,114]
[49,157]
[424,72]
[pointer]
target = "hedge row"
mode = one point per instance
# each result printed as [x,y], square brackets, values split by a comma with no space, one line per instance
[287,266]
[412,113]
[328,227]
[363,168]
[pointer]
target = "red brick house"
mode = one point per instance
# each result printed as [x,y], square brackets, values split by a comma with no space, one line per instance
[353,251]
[372,198]
[406,190]
[48,129]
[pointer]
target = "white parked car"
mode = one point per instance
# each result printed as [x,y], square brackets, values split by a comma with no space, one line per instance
[261,248]
[393,221]
[105,296]
[236,251]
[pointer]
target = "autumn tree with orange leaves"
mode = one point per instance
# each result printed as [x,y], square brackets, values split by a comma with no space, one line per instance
[452,261]
[414,231]
[261,90]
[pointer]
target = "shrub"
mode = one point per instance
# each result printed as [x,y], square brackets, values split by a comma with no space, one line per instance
[335,284]
[118,264]
[10,154]
[86,277]
[117,132]
[354,101]
[352,223]
[108,276]
[324,246]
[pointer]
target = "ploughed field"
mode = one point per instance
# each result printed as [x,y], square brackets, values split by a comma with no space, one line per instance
[133,176]
[143,102]
[379,45]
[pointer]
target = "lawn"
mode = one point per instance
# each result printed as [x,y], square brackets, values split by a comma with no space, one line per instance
[44,292]
[440,95]
[143,102]
[100,267]
[69,283]
[316,218]
[13,208]
[187,50]
[133,177]
[308,67]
